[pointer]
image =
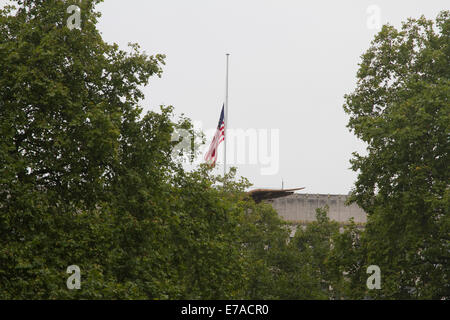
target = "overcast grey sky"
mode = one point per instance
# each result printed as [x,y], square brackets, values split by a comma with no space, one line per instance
[291,64]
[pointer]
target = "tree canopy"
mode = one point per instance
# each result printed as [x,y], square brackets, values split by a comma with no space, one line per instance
[88,179]
[401,109]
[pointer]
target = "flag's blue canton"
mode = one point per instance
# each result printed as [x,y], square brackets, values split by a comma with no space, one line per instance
[211,155]
[222,116]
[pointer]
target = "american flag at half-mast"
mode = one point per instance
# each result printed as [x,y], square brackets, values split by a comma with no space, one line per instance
[219,136]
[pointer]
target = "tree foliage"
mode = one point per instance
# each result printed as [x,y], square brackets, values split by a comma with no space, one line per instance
[401,109]
[88,179]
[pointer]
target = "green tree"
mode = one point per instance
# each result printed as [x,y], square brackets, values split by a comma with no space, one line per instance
[297,268]
[315,244]
[67,98]
[345,263]
[401,109]
[86,179]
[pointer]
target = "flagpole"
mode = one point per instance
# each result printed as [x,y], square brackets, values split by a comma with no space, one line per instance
[226,121]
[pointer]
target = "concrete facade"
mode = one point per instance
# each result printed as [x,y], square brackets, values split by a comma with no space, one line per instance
[301,208]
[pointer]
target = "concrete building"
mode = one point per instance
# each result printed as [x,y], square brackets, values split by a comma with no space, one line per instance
[301,208]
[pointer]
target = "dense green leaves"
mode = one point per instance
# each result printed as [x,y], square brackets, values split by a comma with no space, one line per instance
[401,109]
[87,179]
